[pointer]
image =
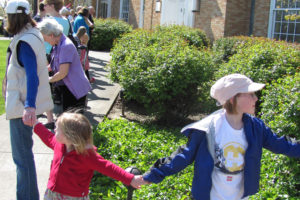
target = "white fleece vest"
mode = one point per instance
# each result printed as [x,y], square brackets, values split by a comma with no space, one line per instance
[16,87]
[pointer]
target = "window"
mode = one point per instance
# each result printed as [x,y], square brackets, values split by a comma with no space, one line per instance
[103,9]
[124,10]
[285,20]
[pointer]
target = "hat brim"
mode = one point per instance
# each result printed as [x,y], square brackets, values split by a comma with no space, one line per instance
[253,87]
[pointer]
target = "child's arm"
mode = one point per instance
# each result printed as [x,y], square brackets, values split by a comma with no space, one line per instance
[46,136]
[280,145]
[107,168]
[178,161]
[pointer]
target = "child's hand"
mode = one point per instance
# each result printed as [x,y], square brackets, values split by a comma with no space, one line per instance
[137,181]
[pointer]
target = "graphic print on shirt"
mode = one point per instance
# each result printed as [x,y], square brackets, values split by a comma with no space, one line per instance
[230,159]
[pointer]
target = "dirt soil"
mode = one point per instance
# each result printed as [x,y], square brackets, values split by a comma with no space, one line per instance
[134,112]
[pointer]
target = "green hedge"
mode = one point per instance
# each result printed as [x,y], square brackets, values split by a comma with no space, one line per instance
[131,144]
[281,105]
[262,60]
[106,31]
[162,70]
[281,112]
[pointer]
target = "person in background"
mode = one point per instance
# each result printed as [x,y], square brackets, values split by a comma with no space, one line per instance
[41,14]
[83,20]
[75,159]
[82,38]
[226,146]
[64,12]
[68,76]
[52,8]
[26,91]
[71,17]
[91,18]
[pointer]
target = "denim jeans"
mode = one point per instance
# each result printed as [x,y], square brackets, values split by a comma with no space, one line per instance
[21,145]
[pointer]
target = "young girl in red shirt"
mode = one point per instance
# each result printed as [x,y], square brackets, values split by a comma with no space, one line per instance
[75,159]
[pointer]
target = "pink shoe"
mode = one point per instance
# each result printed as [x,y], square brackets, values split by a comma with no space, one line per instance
[92,80]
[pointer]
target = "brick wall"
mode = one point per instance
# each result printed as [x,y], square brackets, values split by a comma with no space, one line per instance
[115,9]
[237,17]
[211,18]
[151,18]
[261,18]
[134,12]
[217,18]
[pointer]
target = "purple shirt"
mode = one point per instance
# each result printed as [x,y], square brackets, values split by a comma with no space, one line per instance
[76,80]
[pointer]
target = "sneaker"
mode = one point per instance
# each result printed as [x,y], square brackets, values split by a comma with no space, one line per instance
[50,125]
[92,80]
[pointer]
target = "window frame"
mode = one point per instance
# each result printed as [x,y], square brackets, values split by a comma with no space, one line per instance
[282,22]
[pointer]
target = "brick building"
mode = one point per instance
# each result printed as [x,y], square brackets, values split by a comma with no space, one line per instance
[278,19]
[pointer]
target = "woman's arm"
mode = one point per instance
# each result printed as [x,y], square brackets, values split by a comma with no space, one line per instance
[27,59]
[62,73]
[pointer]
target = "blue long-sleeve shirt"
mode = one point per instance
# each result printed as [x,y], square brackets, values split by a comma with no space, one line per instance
[258,136]
[27,59]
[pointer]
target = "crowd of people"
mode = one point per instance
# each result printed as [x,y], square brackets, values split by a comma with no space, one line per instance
[225,147]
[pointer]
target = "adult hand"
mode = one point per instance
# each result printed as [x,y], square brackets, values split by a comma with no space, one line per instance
[29,117]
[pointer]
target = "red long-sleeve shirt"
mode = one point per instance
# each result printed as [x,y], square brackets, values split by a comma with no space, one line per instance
[71,173]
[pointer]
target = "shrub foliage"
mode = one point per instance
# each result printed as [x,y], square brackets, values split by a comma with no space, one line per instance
[162,70]
[106,31]
[262,60]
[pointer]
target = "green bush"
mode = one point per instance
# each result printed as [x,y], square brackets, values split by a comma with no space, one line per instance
[131,144]
[161,71]
[262,60]
[193,36]
[106,31]
[224,48]
[280,176]
[281,105]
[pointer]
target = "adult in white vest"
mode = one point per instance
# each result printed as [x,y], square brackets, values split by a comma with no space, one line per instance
[27,92]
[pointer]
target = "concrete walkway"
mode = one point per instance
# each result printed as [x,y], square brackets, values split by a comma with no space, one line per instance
[100,101]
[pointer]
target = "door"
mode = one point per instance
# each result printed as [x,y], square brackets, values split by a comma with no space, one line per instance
[174,12]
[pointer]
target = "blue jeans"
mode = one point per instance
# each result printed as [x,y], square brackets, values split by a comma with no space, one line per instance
[21,145]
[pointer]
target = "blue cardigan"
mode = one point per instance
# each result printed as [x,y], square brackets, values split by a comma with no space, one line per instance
[258,136]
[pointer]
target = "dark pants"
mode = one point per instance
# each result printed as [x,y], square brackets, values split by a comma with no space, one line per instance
[69,101]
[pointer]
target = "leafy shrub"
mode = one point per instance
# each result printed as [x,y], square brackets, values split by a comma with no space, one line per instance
[224,48]
[161,71]
[106,31]
[193,36]
[281,105]
[280,177]
[131,144]
[262,60]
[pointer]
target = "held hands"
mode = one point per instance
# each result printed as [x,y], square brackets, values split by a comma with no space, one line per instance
[137,181]
[29,117]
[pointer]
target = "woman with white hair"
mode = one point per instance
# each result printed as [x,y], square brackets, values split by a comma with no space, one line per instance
[68,76]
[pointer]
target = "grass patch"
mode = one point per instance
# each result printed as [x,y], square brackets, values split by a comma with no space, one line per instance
[3,47]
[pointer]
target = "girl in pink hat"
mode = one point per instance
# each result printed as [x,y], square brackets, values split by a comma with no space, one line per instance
[226,147]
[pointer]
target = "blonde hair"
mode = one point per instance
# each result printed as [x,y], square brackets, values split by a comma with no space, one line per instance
[77,129]
[81,31]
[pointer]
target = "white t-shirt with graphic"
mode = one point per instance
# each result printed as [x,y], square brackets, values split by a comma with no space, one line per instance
[228,172]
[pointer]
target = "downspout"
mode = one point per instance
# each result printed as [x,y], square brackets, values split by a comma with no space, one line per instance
[141,19]
[252,12]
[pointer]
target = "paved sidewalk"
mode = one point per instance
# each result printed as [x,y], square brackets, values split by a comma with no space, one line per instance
[101,99]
